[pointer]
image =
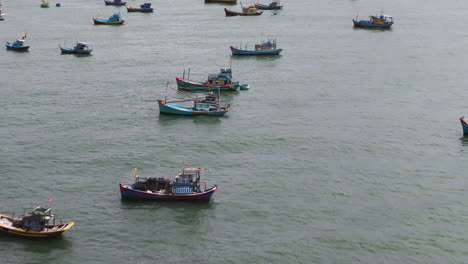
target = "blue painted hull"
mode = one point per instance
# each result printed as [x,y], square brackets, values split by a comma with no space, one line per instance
[255,52]
[464,124]
[368,24]
[168,108]
[128,193]
[11,46]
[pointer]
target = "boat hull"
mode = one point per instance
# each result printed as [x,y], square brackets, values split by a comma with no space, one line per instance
[10,46]
[14,231]
[115,4]
[128,193]
[236,51]
[368,24]
[141,10]
[233,13]
[172,109]
[98,21]
[185,85]
[268,7]
[464,124]
[231,2]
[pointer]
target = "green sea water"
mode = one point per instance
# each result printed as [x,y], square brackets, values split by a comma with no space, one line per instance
[346,149]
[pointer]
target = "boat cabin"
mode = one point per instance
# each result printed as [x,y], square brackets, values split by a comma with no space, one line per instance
[36,220]
[268,45]
[382,19]
[19,42]
[186,182]
[81,46]
[224,77]
[115,17]
[145,5]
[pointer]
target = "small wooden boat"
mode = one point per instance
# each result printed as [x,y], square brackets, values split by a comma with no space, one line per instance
[115,2]
[115,19]
[79,48]
[231,2]
[251,11]
[2,15]
[464,124]
[186,186]
[18,45]
[266,48]
[208,106]
[40,223]
[382,21]
[58,4]
[275,5]
[218,81]
[44,4]
[144,8]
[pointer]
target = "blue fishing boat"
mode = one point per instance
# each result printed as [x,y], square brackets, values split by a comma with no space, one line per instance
[275,5]
[382,21]
[79,48]
[208,106]
[217,81]
[464,124]
[17,45]
[186,186]
[115,19]
[144,8]
[265,48]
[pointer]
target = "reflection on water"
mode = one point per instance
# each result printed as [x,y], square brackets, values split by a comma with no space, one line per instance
[464,140]
[38,245]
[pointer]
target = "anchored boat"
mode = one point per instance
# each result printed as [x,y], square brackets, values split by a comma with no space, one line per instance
[275,5]
[218,81]
[79,48]
[266,48]
[17,45]
[186,186]
[115,19]
[382,21]
[464,124]
[208,106]
[40,223]
[144,8]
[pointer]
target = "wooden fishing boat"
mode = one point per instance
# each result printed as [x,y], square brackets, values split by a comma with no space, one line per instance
[144,8]
[115,19]
[208,106]
[2,15]
[266,48]
[464,124]
[252,11]
[17,45]
[275,5]
[382,21]
[44,4]
[79,48]
[219,81]
[115,2]
[40,223]
[231,2]
[186,186]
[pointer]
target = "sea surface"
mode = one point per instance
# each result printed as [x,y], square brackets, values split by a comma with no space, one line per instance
[346,149]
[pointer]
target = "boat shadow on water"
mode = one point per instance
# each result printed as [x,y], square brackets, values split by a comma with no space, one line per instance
[464,140]
[46,244]
[374,29]
[173,119]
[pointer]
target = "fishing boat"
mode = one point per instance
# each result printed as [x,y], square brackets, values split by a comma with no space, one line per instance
[115,19]
[115,2]
[40,223]
[79,48]
[17,45]
[218,81]
[266,48]
[275,5]
[44,4]
[186,186]
[464,124]
[144,8]
[208,106]
[231,2]
[58,4]
[382,21]
[250,10]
